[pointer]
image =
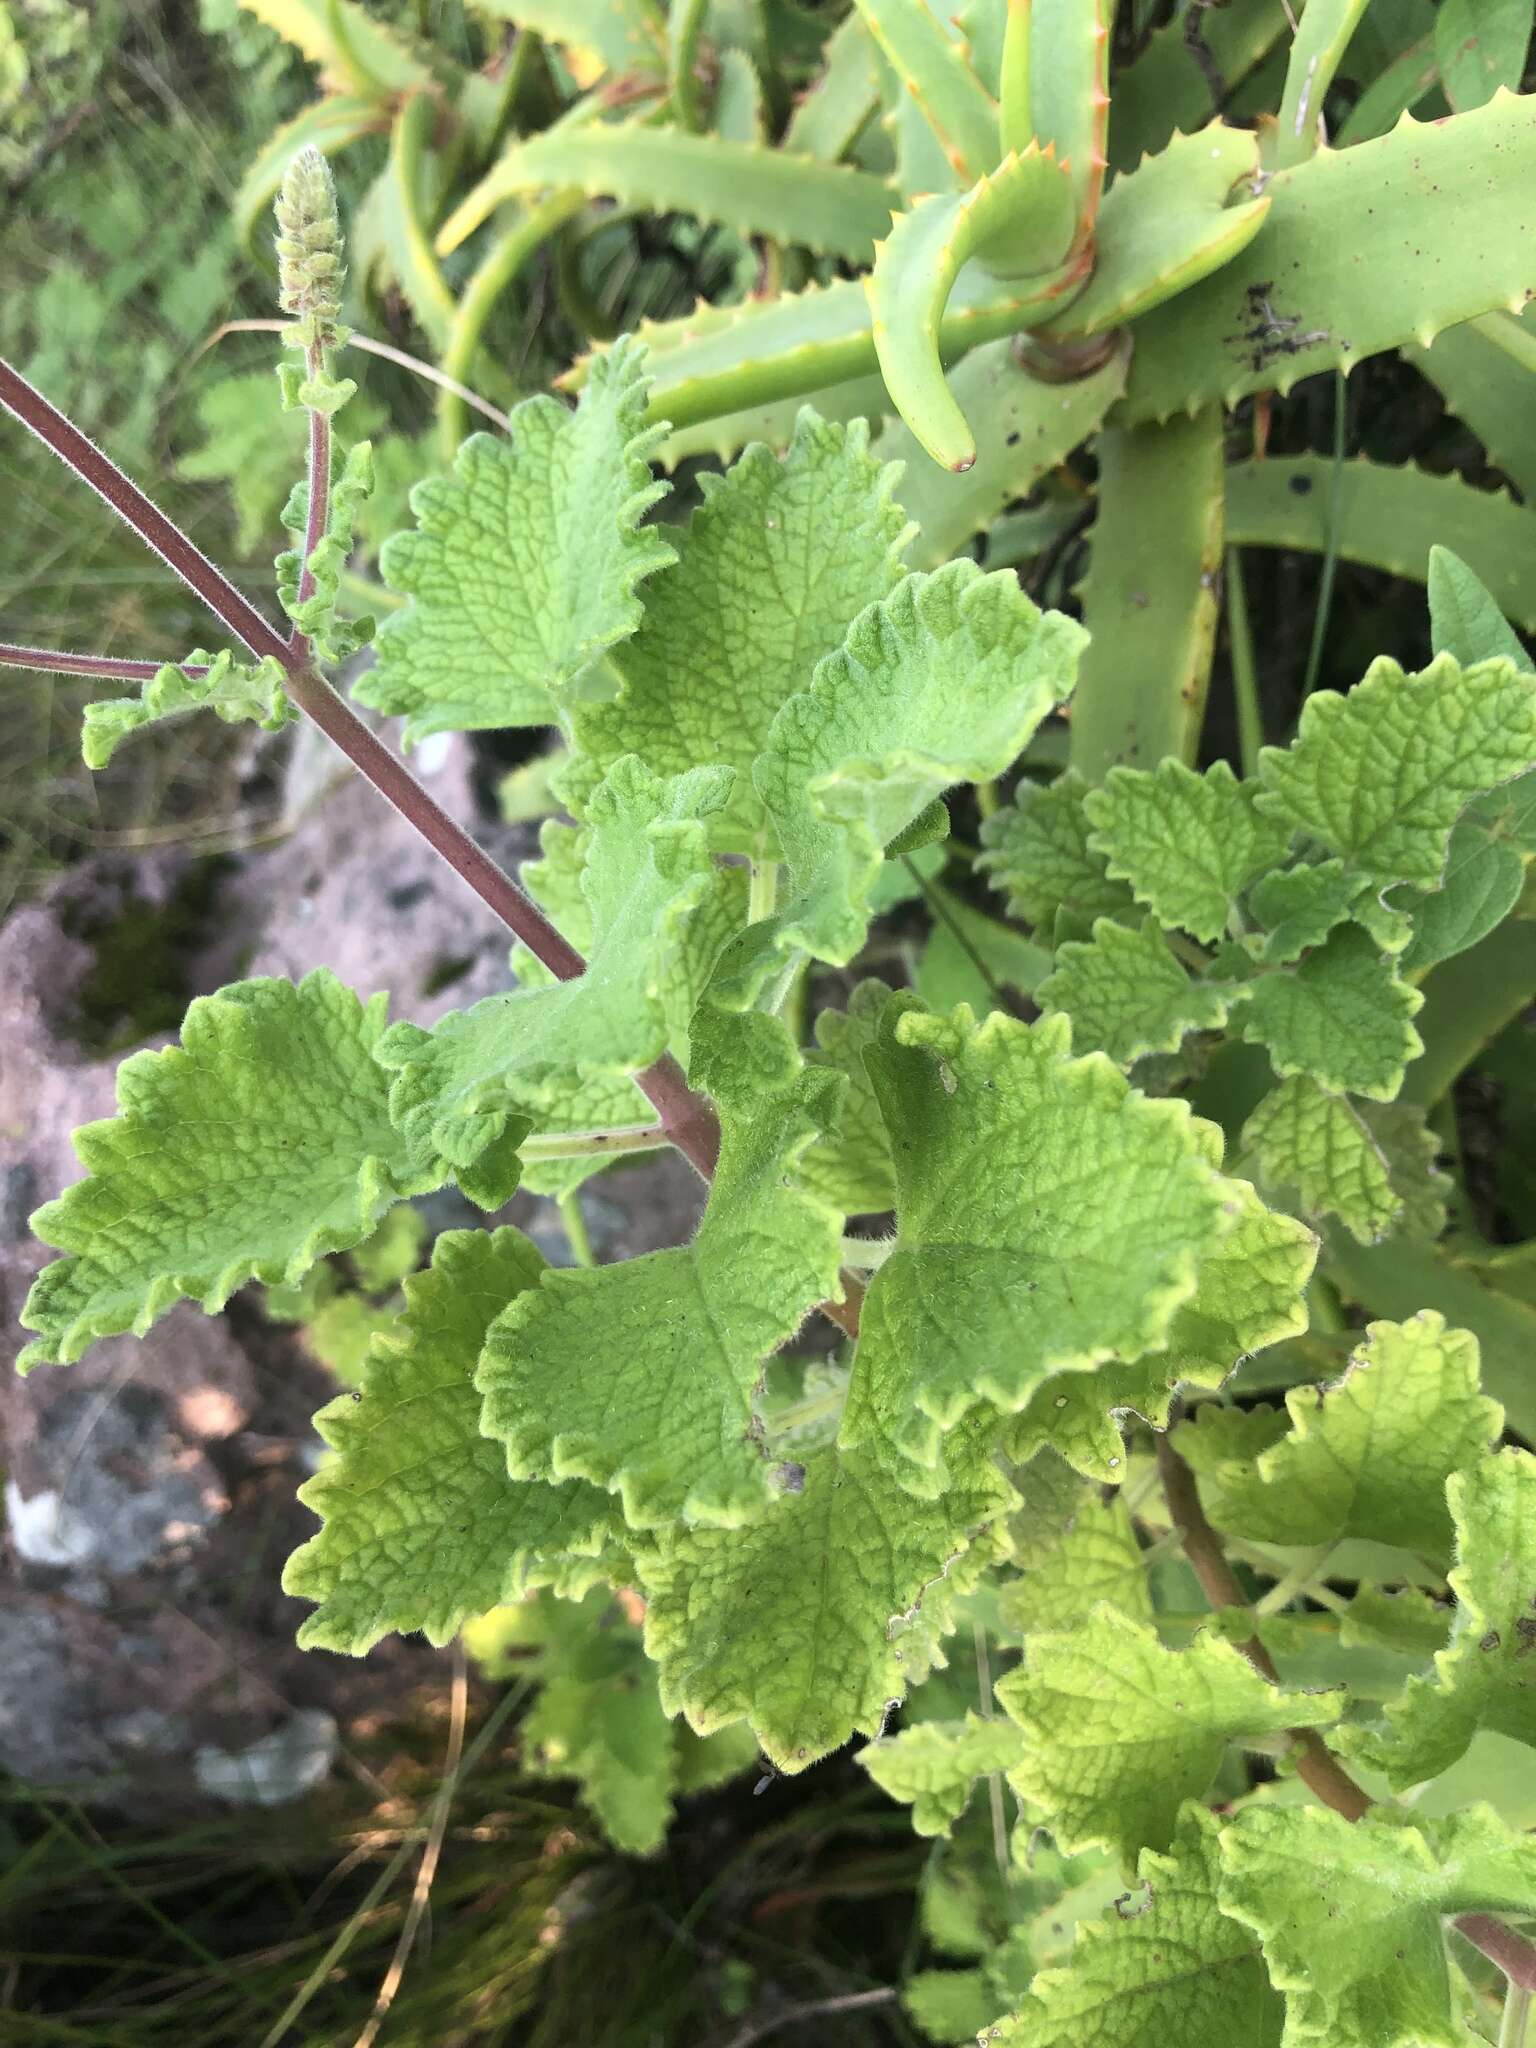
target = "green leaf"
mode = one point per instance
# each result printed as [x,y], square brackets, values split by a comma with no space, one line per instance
[1188,844]
[1380,776]
[1126,994]
[1038,850]
[933,1766]
[1341,1015]
[1480,45]
[1097,1558]
[1302,905]
[475,1084]
[774,567]
[1120,1732]
[1048,1219]
[1174,1968]
[1487,1676]
[260,1143]
[332,638]
[1465,621]
[1350,1914]
[524,564]
[849,1165]
[623,35]
[1249,1296]
[789,1622]
[1370,1164]
[1369,1456]
[422,1526]
[942,682]
[639,1376]
[1484,877]
[239,692]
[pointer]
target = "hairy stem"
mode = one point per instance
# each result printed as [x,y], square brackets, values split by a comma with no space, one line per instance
[1316,1765]
[689,1118]
[109,666]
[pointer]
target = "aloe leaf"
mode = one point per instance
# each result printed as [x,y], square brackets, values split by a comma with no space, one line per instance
[1068,91]
[856,398]
[1485,370]
[1164,228]
[1149,600]
[1166,90]
[1480,45]
[622,35]
[416,267]
[826,207]
[1392,93]
[1300,298]
[1025,427]
[341,38]
[1320,42]
[1025,209]
[1388,519]
[934,71]
[840,105]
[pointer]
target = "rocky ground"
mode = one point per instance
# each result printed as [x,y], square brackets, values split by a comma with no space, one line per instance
[146,1651]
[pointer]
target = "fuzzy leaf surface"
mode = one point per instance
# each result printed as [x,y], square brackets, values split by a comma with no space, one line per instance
[1120,1732]
[1126,994]
[1048,1219]
[239,692]
[787,1622]
[1097,1558]
[1369,1456]
[1179,1969]
[422,1527]
[639,1376]
[942,682]
[1300,906]
[475,1083]
[1038,852]
[774,567]
[1486,1678]
[1188,844]
[524,563]
[849,1165]
[1341,1015]
[1369,1164]
[1350,1915]
[1381,775]
[248,1151]
[933,1766]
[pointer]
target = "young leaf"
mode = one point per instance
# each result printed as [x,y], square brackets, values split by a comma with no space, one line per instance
[524,564]
[1340,1015]
[1127,995]
[774,567]
[639,1376]
[1039,851]
[1049,1218]
[787,1622]
[422,1526]
[1487,1677]
[1380,776]
[1178,1969]
[942,682]
[1369,1456]
[1188,844]
[260,1143]
[333,639]
[1250,1294]
[1119,1732]
[933,1766]
[1350,1914]
[236,691]
[1097,1558]
[473,1085]
[1300,906]
[849,1165]
[1370,1164]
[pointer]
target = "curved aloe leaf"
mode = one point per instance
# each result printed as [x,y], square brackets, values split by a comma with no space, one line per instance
[935,72]
[1024,211]
[1150,596]
[1320,43]
[330,125]
[1388,519]
[1025,427]
[339,36]
[1485,370]
[1308,295]
[826,207]
[856,398]
[1068,97]
[415,265]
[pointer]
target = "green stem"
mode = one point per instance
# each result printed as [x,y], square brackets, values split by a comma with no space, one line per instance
[576,1228]
[763,893]
[1517,2011]
[1321,616]
[507,256]
[1245,680]
[1295,1582]
[593,1144]
[687,20]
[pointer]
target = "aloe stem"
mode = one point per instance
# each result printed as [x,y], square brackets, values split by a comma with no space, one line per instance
[1316,1765]
[689,1118]
[56,662]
